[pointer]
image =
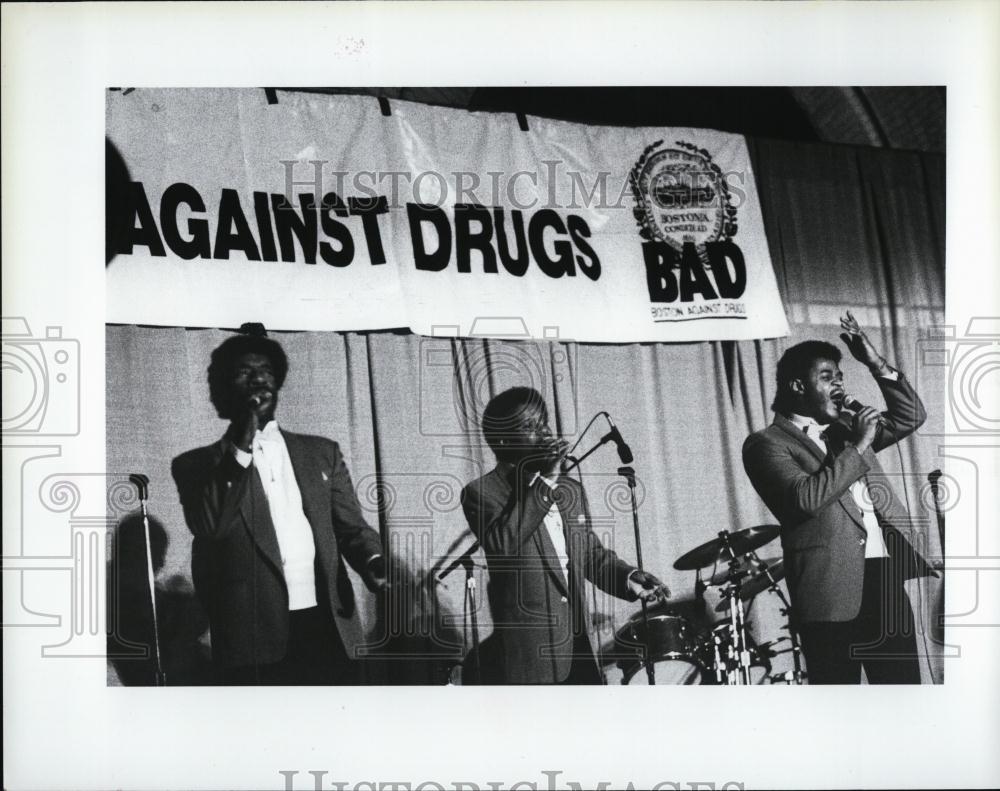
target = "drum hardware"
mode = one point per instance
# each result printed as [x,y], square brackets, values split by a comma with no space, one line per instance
[772,576]
[728,651]
[758,582]
[716,650]
[735,656]
[724,549]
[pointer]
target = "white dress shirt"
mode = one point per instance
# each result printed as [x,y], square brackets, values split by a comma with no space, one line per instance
[554,526]
[269,455]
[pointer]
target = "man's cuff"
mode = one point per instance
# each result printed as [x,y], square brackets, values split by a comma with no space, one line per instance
[885,371]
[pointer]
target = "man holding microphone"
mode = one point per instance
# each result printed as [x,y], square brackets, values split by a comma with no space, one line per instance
[535,529]
[843,531]
[274,516]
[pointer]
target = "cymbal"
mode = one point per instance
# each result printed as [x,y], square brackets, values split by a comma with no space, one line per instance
[713,551]
[757,583]
[723,574]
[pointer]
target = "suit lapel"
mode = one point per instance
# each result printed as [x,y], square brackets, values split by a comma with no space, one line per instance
[846,500]
[798,435]
[571,511]
[546,548]
[547,552]
[307,475]
[257,519]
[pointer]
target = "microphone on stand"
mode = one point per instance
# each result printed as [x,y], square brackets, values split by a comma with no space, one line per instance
[624,451]
[141,482]
[933,478]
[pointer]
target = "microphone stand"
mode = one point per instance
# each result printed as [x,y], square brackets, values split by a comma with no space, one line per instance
[475,672]
[933,477]
[575,462]
[466,562]
[628,473]
[141,483]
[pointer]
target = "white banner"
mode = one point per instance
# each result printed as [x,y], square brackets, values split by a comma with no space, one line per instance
[321,213]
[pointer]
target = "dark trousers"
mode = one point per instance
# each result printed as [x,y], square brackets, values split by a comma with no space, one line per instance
[881,638]
[315,657]
[583,670]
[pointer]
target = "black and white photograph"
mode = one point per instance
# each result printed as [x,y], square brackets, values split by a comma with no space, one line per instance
[419,392]
[413,305]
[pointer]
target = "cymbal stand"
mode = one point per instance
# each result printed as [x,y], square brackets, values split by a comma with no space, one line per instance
[797,675]
[738,666]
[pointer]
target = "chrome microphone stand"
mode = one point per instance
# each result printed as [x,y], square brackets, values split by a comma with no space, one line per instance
[141,483]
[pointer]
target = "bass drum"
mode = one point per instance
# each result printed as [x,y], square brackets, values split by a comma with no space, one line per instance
[672,646]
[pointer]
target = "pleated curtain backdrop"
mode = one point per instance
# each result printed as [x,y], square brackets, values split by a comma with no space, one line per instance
[847,227]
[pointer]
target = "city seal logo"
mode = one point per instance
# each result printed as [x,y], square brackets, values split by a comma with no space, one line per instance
[681,197]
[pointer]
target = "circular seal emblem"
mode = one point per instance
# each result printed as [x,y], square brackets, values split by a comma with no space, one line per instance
[681,196]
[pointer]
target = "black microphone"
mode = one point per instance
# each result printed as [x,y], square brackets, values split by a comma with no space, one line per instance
[851,403]
[624,451]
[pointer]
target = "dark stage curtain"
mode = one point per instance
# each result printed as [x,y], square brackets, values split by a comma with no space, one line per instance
[848,228]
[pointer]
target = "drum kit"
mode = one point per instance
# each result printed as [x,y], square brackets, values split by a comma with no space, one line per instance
[725,653]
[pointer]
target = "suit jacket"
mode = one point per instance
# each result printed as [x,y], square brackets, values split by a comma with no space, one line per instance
[822,532]
[537,612]
[236,562]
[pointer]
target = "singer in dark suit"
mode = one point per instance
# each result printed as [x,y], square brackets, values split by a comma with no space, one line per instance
[843,531]
[534,526]
[274,517]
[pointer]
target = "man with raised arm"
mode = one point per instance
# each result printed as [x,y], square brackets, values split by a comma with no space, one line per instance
[843,531]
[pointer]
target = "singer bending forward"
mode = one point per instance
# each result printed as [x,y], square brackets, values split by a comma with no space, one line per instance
[274,516]
[842,528]
[534,526]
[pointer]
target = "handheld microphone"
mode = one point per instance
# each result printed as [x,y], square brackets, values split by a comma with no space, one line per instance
[256,401]
[851,403]
[624,451]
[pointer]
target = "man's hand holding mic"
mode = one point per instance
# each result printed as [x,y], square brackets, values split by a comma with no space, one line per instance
[864,426]
[552,451]
[251,418]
